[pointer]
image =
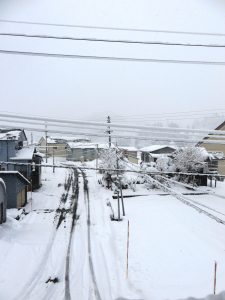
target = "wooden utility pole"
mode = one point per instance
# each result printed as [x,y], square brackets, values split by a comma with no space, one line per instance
[109,131]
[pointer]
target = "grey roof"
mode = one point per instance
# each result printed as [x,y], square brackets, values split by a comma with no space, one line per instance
[17,174]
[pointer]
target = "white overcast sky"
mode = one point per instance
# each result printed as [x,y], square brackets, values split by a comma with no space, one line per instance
[83,88]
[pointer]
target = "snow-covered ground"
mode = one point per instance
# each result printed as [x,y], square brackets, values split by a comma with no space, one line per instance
[172,247]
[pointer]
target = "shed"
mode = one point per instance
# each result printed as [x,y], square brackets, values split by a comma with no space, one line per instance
[16,188]
[3,202]
[29,156]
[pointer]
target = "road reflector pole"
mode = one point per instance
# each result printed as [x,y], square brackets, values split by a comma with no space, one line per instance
[215,277]
[128,243]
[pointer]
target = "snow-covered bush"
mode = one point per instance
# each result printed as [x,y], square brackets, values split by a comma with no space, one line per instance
[190,159]
[164,164]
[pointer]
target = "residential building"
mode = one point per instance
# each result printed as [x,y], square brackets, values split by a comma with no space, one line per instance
[131,153]
[57,146]
[217,150]
[85,151]
[13,149]
[152,153]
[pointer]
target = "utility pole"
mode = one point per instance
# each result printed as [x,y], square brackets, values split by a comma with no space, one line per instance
[53,159]
[119,188]
[119,182]
[96,157]
[46,143]
[31,138]
[109,130]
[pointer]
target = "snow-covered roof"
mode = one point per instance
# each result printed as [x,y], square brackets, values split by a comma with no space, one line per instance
[217,154]
[66,139]
[14,134]
[153,148]
[128,148]
[15,173]
[89,146]
[70,138]
[25,153]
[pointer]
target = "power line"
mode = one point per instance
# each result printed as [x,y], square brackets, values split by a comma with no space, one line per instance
[67,166]
[175,113]
[114,28]
[160,119]
[94,128]
[112,58]
[122,41]
[145,138]
[114,125]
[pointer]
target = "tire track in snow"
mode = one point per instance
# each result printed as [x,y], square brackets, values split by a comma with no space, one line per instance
[29,287]
[91,265]
[74,206]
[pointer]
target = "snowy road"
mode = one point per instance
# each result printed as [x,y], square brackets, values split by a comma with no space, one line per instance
[69,235]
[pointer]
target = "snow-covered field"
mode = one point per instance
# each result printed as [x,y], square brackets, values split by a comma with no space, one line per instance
[172,247]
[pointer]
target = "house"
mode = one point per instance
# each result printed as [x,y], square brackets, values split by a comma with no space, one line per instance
[84,151]
[13,149]
[217,150]
[152,153]
[3,202]
[16,188]
[57,146]
[131,153]
[18,135]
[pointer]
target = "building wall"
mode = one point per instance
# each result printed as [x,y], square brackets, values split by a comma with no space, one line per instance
[13,187]
[58,150]
[7,149]
[221,167]
[3,203]
[217,148]
[78,154]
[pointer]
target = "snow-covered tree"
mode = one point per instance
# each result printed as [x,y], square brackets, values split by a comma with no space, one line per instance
[190,159]
[110,159]
[164,163]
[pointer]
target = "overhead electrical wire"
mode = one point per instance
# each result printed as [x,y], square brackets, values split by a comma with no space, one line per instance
[111,58]
[29,122]
[121,41]
[73,166]
[219,34]
[175,113]
[112,125]
[159,139]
